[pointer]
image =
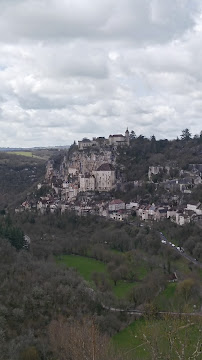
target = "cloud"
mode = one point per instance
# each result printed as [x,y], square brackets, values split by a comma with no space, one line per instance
[137,20]
[70,69]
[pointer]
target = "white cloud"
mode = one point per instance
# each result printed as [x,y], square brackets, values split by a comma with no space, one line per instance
[70,69]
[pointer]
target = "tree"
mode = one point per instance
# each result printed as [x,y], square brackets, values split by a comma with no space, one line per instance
[197,252]
[185,288]
[132,135]
[186,135]
[101,281]
[200,138]
[115,276]
[153,144]
[190,244]
[79,340]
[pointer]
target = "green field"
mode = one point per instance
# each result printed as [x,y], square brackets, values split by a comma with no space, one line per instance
[86,266]
[24,153]
[135,339]
[167,300]
[169,291]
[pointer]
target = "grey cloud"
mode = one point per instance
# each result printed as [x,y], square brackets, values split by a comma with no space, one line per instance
[77,59]
[139,21]
[98,68]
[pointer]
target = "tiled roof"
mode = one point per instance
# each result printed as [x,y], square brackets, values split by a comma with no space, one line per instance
[116,201]
[105,167]
[85,140]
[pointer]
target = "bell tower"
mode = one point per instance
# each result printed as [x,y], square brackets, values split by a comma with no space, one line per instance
[127,137]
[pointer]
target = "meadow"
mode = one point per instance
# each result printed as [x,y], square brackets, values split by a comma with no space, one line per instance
[25,153]
[87,266]
[167,337]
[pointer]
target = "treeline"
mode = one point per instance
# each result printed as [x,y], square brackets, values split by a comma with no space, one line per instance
[187,236]
[14,234]
[144,152]
[75,234]
[34,296]
[42,304]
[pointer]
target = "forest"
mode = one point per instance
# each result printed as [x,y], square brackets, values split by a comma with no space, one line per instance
[144,152]
[18,176]
[45,301]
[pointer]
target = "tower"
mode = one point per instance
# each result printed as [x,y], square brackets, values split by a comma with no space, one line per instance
[127,137]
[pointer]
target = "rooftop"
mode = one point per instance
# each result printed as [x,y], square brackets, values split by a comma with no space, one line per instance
[116,201]
[105,167]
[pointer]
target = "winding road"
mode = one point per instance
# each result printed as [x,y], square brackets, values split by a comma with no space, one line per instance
[181,253]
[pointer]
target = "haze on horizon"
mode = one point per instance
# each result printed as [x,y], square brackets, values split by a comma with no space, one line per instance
[82,68]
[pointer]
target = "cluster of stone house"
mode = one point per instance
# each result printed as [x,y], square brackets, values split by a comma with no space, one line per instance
[184,183]
[83,174]
[113,140]
[79,178]
[115,209]
[182,215]
[101,179]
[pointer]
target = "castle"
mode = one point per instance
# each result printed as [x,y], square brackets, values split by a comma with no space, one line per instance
[113,140]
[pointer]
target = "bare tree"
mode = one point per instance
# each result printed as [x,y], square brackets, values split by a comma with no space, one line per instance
[79,340]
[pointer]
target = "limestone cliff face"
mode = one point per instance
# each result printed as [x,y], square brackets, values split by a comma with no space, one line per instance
[88,161]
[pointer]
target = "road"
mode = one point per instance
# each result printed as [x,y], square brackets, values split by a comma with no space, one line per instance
[140,313]
[181,253]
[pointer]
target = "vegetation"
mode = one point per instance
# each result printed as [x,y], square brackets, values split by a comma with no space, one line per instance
[38,297]
[18,176]
[187,237]
[168,338]
[144,152]
[95,272]
[54,312]
[24,153]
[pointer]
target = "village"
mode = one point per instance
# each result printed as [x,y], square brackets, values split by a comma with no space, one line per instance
[88,179]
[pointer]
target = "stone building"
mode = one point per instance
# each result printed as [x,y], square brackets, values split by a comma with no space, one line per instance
[113,140]
[119,140]
[87,182]
[104,177]
[116,205]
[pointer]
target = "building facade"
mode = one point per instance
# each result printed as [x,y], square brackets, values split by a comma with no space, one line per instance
[104,177]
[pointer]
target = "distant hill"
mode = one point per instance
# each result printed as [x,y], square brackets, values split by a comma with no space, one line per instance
[18,174]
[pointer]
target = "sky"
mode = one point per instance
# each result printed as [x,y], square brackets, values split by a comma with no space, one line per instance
[83,68]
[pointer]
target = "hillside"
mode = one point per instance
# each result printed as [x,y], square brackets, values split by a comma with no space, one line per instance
[72,267]
[142,153]
[18,174]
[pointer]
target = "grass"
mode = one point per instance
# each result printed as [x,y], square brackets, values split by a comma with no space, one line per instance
[24,153]
[167,300]
[129,339]
[122,288]
[170,290]
[133,339]
[86,266]
[142,271]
